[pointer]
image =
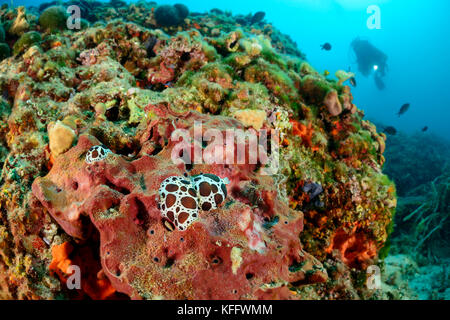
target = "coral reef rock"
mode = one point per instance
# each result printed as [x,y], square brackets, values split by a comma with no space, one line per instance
[87,125]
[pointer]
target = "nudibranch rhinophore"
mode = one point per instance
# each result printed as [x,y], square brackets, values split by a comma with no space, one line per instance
[181,199]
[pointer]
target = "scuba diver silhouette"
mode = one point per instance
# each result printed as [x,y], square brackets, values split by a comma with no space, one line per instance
[370,59]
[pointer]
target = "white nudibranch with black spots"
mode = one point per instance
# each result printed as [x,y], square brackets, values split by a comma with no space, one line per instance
[181,198]
[97,153]
[211,189]
[178,202]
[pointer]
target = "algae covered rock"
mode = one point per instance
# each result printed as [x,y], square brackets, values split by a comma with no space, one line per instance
[20,24]
[251,118]
[183,10]
[53,18]
[90,137]
[26,41]
[242,248]
[167,15]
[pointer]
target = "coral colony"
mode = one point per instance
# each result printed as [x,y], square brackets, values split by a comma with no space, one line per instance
[86,123]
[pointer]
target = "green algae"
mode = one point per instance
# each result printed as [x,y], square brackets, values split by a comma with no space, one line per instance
[26,41]
[53,19]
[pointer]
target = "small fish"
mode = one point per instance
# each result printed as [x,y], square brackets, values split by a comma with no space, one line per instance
[424,128]
[257,17]
[326,46]
[353,81]
[326,73]
[390,130]
[403,109]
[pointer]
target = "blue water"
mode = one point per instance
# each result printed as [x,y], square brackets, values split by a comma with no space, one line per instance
[414,34]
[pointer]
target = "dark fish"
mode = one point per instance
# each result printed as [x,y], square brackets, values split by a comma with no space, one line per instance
[257,17]
[353,81]
[403,109]
[390,130]
[326,46]
[424,128]
[149,44]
